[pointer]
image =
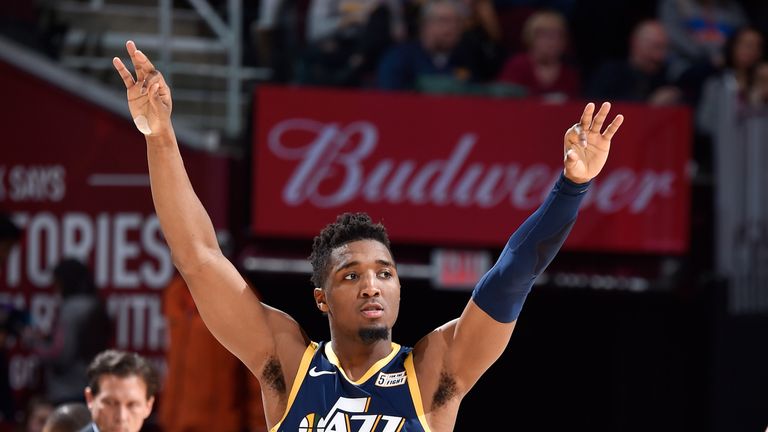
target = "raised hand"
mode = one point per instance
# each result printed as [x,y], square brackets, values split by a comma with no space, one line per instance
[586,147]
[149,98]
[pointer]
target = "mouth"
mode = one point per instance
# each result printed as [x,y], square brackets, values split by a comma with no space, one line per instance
[372,310]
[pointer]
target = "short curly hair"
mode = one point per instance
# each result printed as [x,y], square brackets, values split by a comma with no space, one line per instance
[347,228]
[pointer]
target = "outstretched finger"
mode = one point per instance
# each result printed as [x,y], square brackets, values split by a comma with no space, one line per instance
[140,61]
[586,116]
[131,47]
[124,73]
[597,123]
[613,127]
[144,60]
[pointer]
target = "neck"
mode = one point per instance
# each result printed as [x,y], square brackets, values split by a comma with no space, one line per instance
[356,358]
[642,66]
[544,60]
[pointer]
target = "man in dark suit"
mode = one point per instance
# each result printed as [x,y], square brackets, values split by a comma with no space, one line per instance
[121,391]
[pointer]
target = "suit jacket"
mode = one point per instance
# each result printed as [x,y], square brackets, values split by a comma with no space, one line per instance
[89,428]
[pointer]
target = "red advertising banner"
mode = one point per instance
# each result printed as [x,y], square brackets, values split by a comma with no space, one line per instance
[450,170]
[74,178]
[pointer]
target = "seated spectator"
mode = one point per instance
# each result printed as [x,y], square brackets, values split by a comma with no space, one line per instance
[731,127]
[275,38]
[542,69]
[345,38]
[641,77]
[698,30]
[742,54]
[433,56]
[482,40]
[69,417]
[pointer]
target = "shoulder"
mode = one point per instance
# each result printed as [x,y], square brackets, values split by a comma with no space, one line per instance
[429,355]
[89,428]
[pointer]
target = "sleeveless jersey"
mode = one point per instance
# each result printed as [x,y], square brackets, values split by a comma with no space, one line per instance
[385,399]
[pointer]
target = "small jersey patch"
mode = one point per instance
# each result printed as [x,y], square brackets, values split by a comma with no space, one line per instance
[390,379]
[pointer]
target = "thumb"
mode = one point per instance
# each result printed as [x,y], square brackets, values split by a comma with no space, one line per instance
[571,157]
[572,161]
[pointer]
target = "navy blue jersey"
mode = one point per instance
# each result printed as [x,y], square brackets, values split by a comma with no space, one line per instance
[385,399]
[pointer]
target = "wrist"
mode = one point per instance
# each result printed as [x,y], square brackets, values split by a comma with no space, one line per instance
[161,137]
[574,186]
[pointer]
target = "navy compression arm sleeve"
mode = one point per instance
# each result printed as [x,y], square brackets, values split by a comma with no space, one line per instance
[501,292]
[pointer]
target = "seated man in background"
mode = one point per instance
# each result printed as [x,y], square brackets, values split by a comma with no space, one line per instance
[121,391]
[643,76]
[434,54]
[346,38]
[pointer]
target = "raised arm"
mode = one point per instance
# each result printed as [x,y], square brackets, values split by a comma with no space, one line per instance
[471,344]
[228,306]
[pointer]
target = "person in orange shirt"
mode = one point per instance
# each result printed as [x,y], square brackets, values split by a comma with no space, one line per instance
[205,387]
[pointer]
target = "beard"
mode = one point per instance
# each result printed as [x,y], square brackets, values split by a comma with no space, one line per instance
[370,335]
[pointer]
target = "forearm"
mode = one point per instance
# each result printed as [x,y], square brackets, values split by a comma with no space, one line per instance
[502,290]
[185,223]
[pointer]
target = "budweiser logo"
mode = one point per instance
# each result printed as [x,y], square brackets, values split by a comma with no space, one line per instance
[334,167]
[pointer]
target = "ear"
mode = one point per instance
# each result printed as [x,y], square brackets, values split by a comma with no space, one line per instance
[319,294]
[150,403]
[88,396]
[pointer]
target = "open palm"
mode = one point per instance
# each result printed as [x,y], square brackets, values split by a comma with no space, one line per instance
[586,147]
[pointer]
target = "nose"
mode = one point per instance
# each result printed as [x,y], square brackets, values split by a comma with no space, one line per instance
[122,414]
[369,285]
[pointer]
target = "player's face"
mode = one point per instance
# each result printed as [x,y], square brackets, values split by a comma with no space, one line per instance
[363,290]
[121,404]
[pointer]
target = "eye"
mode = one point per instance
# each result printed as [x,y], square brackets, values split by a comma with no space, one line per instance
[385,274]
[350,276]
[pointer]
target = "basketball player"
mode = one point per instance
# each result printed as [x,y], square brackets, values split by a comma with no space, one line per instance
[360,380]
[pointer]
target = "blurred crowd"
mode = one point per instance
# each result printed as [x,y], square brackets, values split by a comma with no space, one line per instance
[556,50]
[660,52]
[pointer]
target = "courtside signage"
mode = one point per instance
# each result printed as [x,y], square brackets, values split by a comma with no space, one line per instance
[443,170]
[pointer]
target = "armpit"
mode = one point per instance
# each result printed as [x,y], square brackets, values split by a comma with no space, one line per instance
[446,390]
[273,376]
